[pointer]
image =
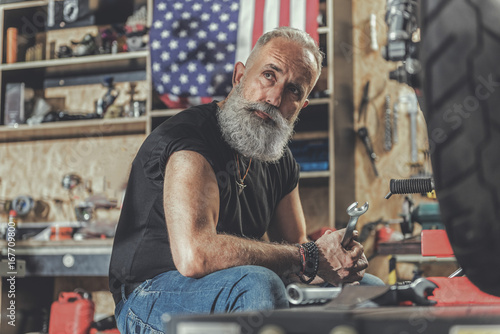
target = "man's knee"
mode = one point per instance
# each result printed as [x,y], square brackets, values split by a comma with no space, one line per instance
[262,288]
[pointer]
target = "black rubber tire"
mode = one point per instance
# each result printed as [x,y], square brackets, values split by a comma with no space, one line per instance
[460,53]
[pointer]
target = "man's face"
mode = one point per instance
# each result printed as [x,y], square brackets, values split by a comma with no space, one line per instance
[282,74]
[258,116]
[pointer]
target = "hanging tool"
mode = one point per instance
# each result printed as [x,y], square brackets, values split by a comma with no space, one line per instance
[395,124]
[363,134]
[388,124]
[354,212]
[364,102]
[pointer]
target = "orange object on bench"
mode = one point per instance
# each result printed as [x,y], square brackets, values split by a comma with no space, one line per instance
[436,243]
[456,290]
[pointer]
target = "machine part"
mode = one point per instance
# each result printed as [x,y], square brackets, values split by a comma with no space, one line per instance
[410,186]
[23,205]
[401,18]
[457,273]
[70,181]
[363,105]
[388,125]
[459,54]
[303,294]
[363,134]
[354,212]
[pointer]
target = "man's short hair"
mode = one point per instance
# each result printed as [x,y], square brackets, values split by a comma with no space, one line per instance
[295,35]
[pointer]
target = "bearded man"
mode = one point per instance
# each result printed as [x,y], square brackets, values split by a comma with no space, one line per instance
[205,187]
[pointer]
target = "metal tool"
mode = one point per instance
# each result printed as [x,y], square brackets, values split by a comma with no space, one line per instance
[302,294]
[410,100]
[388,124]
[354,212]
[416,292]
[363,134]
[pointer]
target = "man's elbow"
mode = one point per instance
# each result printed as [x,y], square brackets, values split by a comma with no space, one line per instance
[191,264]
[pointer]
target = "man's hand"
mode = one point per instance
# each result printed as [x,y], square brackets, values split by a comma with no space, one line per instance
[339,265]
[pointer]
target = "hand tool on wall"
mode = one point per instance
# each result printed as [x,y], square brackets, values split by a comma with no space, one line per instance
[363,134]
[364,102]
[354,212]
[388,124]
[395,134]
[412,110]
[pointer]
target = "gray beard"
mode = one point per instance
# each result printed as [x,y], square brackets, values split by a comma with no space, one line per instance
[250,135]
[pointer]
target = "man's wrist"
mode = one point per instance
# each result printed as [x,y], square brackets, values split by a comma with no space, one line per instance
[309,261]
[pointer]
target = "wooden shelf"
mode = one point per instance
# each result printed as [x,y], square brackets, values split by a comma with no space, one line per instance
[315,174]
[165,112]
[125,61]
[24,4]
[74,129]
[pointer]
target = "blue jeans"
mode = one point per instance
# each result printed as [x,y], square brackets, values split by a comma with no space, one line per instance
[244,288]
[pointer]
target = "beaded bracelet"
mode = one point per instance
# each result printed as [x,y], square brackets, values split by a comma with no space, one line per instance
[311,261]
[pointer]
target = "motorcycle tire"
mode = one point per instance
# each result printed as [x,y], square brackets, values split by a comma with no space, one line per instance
[460,53]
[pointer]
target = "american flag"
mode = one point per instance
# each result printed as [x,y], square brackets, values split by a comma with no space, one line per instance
[195,43]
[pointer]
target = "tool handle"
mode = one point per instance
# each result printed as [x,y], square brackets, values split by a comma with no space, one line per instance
[301,294]
[351,226]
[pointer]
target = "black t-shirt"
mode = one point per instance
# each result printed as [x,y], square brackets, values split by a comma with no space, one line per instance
[141,248]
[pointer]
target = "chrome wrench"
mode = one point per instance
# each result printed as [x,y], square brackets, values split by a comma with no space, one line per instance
[354,212]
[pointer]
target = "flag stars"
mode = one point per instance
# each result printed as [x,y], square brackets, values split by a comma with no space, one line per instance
[224,17]
[191,67]
[161,6]
[210,90]
[176,90]
[219,56]
[165,78]
[175,25]
[183,79]
[169,16]
[213,26]
[174,68]
[201,78]
[197,7]
[231,48]
[221,36]
[160,89]
[165,34]
[193,90]
[228,67]
[183,33]
[165,56]
[205,17]
[210,67]
[178,5]
[200,55]
[234,6]
[202,34]
[232,26]
[219,78]
[174,44]
[156,67]
[155,45]
[210,45]
[194,25]
[192,44]
[186,15]
[158,24]
[216,7]
[182,56]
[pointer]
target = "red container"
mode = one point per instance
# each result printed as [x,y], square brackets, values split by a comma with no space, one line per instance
[71,314]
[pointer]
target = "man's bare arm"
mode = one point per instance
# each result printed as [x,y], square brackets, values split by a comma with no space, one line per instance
[191,197]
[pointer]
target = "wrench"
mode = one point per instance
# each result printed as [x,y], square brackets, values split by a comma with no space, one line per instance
[354,212]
